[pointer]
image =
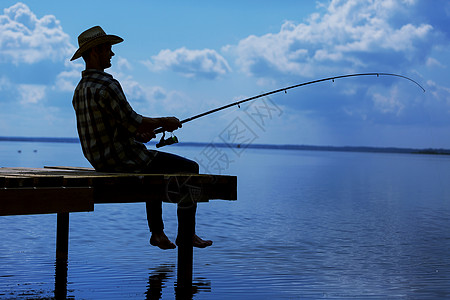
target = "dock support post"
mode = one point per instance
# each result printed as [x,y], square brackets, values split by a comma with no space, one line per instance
[186,229]
[62,247]
[62,235]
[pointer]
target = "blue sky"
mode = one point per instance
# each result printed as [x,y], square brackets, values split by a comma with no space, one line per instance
[184,57]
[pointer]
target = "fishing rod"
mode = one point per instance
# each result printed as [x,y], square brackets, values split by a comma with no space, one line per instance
[173,139]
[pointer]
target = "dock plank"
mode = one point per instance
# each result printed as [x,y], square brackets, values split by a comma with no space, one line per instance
[25,201]
[27,184]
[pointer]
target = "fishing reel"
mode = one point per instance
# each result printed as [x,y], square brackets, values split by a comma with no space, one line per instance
[169,141]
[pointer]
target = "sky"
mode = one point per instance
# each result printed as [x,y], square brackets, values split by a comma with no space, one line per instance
[181,58]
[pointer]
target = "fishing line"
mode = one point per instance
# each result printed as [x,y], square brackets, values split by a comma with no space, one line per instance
[285,89]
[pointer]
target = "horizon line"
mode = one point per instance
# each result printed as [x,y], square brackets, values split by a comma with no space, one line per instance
[381,149]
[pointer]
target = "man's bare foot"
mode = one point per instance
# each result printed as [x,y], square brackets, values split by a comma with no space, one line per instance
[162,241]
[198,242]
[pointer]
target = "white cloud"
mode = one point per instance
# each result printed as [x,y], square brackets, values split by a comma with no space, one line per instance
[132,88]
[389,103]
[440,93]
[123,64]
[66,81]
[351,35]
[31,93]
[5,83]
[204,63]
[152,100]
[432,62]
[25,38]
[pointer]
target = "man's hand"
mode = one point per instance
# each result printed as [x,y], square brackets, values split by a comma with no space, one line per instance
[145,131]
[170,123]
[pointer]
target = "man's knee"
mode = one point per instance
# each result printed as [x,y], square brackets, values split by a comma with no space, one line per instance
[195,167]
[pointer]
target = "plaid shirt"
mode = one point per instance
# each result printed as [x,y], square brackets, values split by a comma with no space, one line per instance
[107,125]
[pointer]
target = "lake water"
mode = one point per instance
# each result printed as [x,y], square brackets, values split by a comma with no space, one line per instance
[306,225]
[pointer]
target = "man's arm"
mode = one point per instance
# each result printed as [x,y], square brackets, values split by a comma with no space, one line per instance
[145,131]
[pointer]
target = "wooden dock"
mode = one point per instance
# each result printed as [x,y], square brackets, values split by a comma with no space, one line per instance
[64,190]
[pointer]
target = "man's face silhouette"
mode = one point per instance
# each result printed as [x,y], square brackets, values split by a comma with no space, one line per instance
[104,52]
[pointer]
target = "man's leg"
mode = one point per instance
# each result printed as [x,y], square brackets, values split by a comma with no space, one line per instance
[186,215]
[167,163]
[156,225]
[164,163]
[154,215]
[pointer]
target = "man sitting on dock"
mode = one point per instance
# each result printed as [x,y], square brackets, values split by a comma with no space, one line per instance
[112,133]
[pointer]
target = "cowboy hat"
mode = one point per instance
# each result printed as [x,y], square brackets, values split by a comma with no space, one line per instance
[92,37]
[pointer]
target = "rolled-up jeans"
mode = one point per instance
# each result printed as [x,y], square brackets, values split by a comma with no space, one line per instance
[167,163]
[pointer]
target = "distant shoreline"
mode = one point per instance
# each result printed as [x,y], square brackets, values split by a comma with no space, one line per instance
[432,151]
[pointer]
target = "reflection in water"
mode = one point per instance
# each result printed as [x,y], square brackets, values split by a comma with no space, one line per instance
[162,274]
[60,291]
[157,280]
[198,285]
